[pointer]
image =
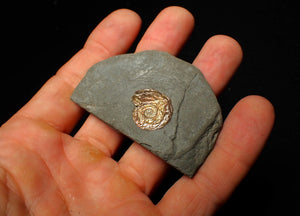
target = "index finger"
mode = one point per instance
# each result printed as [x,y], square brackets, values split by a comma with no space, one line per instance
[52,104]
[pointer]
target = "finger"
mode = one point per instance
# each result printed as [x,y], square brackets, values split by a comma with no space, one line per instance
[100,135]
[168,32]
[94,130]
[52,103]
[218,60]
[241,140]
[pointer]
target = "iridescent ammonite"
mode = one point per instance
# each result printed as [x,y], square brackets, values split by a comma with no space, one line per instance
[152,111]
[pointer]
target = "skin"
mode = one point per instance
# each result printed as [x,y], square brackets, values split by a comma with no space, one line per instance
[45,171]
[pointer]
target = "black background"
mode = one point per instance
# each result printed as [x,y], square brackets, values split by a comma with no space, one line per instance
[39,37]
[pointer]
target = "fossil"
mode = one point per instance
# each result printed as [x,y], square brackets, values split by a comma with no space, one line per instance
[152,111]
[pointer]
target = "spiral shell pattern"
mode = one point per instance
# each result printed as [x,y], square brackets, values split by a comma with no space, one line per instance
[152,111]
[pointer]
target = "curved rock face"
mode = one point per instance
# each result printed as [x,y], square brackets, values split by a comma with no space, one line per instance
[188,136]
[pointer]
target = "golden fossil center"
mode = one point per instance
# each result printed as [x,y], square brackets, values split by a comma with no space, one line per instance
[153,110]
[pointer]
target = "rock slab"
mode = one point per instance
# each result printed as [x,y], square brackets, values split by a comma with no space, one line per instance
[187,139]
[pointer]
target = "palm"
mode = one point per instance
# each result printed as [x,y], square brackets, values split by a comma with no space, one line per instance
[45,171]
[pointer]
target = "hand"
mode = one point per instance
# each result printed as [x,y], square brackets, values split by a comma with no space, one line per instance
[45,171]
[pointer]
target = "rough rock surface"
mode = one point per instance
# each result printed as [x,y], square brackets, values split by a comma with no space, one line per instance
[189,136]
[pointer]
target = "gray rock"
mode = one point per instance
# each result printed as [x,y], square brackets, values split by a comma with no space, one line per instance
[188,137]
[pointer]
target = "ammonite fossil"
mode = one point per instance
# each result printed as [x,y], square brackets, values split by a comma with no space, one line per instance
[152,111]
